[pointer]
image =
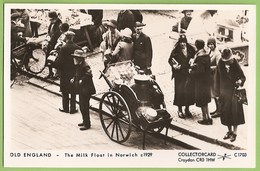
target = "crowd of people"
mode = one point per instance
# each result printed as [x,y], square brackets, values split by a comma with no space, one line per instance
[200,72]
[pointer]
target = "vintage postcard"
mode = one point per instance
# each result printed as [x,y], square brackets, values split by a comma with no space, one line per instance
[129,86]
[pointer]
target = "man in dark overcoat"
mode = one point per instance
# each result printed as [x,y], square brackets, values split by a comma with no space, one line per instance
[125,19]
[83,80]
[67,68]
[143,51]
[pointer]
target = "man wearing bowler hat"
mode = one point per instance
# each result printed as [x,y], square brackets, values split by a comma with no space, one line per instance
[143,51]
[84,82]
[53,30]
[67,68]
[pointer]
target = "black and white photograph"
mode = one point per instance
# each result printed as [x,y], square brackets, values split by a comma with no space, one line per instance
[124,85]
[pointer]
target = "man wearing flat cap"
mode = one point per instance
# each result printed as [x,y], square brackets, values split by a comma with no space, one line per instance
[111,37]
[182,26]
[143,51]
[53,30]
[83,80]
[15,38]
[67,68]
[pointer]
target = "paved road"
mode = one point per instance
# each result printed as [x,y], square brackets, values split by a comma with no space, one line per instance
[36,123]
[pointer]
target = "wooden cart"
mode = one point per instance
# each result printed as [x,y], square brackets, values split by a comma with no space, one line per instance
[120,108]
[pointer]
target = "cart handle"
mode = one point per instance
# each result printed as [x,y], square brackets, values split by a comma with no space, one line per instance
[108,82]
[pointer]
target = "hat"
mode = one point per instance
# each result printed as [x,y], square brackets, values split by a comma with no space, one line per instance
[226,54]
[112,23]
[69,33]
[14,16]
[212,40]
[53,14]
[184,11]
[139,24]
[126,32]
[64,27]
[199,44]
[182,38]
[78,53]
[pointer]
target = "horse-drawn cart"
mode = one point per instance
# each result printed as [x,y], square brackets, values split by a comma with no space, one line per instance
[134,99]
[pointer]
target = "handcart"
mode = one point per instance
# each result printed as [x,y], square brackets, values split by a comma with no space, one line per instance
[134,99]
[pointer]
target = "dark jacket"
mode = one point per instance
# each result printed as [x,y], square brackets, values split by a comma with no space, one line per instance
[185,21]
[201,74]
[143,51]
[126,19]
[138,15]
[66,65]
[83,80]
[54,33]
[97,16]
[182,60]
[231,112]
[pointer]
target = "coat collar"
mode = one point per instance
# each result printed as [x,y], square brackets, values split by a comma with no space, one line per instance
[201,52]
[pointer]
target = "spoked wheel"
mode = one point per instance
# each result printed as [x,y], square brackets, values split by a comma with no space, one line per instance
[115,117]
[37,61]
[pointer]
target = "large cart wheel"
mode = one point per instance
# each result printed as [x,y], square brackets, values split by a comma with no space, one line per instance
[115,117]
[36,61]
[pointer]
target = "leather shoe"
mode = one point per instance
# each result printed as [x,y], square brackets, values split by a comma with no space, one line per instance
[215,115]
[84,128]
[62,110]
[228,135]
[181,115]
[81,124]
[233,137]
[73,111]
[205,122]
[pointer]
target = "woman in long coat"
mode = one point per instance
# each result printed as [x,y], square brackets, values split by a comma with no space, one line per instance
[214,55]
[201,74]
[179,61]
[229,76]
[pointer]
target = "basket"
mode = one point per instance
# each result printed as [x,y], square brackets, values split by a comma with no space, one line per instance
[120,72]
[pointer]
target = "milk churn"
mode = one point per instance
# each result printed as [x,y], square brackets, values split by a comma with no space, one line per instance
[141,88]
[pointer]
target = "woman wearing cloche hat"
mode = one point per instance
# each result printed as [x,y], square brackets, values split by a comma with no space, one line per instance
[215,56]
[179,61]
[229,76]
[124,48]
